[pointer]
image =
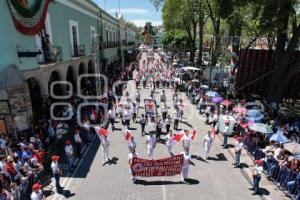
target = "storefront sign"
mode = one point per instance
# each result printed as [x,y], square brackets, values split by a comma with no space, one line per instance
[163,167]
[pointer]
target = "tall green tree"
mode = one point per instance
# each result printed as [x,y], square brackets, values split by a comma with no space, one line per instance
[177,15]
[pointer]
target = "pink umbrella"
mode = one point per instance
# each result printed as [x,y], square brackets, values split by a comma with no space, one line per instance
[239,109]
[226,103]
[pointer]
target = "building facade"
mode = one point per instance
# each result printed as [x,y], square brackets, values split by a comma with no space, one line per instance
[62,50]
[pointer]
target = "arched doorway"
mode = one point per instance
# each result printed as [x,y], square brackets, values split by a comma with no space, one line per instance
[71,77]
[58,89]
[91,67]
[81,69]
[36,98]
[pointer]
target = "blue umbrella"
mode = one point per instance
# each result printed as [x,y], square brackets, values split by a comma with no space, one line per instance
[212,94]
[254,115]
[278,137]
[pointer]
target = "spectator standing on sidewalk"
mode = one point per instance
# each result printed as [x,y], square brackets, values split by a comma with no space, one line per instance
[257,172]
[238,151]
[78,143]
[225,134]
[70,154]
[56,173]
[37,194]
[105,145]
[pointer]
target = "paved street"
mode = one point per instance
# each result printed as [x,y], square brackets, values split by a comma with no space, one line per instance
[213,179]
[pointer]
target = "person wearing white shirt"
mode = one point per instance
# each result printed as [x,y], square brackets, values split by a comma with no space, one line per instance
[134,111]
[238,151]
[132,155]
[151,143]
[37,194]
[170,142]
[186,140]
[207,142]
[105,145]
[111,117]
[176,118]
[138,99]
[131,144]
[163,96]
[56,172]
[186,164]
[127,115]
[168,122]
[70,154]
[78,143]
[164,110]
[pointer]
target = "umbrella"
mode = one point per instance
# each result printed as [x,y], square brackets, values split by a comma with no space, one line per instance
[261,128]
[195,81]
[278,137]
[254,115]
[212,94]
[226,103]
[204,87]
[292,147]
[297,157]
[221,123]
[239,109]
[217,99]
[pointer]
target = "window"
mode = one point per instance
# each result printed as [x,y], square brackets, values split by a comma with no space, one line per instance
[93,39]
[74,36]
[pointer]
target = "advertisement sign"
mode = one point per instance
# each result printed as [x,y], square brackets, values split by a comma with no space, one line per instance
[163,167]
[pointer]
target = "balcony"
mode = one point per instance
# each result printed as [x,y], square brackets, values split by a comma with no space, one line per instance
[54,55]
[78,50]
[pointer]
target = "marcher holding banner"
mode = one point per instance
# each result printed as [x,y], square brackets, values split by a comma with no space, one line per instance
[132,155]
[186,164]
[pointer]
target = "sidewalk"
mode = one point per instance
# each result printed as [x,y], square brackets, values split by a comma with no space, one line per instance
[268,188]
[66,174]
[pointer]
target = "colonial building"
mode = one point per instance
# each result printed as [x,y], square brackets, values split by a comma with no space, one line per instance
[47,41]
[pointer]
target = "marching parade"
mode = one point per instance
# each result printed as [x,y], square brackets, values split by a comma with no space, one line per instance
[149,100]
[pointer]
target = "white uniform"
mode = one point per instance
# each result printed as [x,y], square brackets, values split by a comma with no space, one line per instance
[130,157]
[169,143]
[207,145]
[105,145]
[131,145]
[186,141]
[186,165]
[151,143]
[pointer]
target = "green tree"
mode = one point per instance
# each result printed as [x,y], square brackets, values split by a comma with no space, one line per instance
[183,19]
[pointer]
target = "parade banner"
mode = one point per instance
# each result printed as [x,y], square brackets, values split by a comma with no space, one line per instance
[150,106]
[163,167]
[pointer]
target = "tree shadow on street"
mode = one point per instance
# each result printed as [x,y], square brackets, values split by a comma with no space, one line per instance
[145,183]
